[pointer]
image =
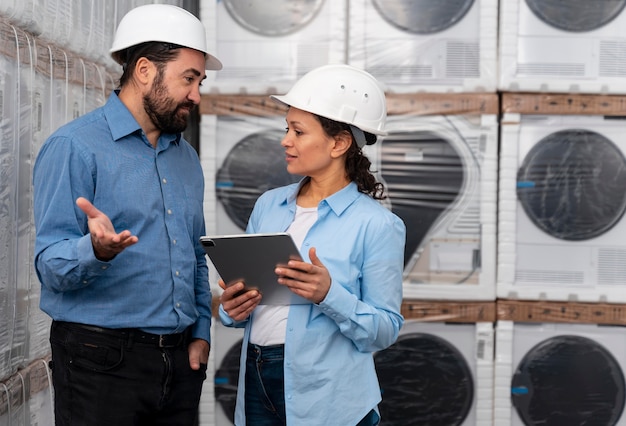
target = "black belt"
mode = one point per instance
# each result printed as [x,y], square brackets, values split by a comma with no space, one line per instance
[135,335]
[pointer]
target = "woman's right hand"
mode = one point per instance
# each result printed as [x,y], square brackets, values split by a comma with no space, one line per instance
[237,303]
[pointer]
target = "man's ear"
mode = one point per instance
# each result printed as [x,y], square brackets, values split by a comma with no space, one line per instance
[144,71]
[342,144]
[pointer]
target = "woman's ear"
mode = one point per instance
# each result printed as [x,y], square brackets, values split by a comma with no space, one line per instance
[342,144]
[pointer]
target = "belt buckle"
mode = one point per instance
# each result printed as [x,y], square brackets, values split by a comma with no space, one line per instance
[161,341]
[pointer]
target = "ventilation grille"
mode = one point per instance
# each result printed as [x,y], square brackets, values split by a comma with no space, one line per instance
[552,277]
[612,266]
[462,60]
[564,70]
[612,59]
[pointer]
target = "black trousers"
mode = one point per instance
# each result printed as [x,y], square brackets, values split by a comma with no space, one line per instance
[122,377]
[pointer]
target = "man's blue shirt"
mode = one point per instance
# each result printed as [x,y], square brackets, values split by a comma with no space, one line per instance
[160,284]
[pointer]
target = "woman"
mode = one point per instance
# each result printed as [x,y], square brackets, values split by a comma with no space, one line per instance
[312,364]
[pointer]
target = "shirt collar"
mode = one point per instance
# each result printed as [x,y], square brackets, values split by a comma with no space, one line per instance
[338,202]
[122,123]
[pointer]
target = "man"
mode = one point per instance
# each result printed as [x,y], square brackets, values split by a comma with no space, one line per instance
[118,215]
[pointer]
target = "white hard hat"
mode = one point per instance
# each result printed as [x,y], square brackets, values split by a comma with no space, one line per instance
[166,23]
[341,93]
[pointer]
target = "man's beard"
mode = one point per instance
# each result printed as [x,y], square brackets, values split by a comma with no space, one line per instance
[166,115]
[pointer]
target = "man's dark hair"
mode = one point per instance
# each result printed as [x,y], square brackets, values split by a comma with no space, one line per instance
[157,52]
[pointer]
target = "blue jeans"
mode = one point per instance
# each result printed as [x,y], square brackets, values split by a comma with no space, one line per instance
[110,377]
[265,388]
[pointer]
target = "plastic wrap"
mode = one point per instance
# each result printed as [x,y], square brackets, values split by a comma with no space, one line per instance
[561,208]
[94,86]
[265,46]
[558,374]
[25,117]
[553,46]
[437,374]
[26,398]
[248,161]
[75,90]
[440,173]
[9,72]
[426,45]
[27,15]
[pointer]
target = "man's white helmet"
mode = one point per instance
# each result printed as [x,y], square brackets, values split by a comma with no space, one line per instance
[162,22]
[341,93]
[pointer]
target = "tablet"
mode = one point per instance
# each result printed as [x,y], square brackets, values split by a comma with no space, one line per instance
[252,258]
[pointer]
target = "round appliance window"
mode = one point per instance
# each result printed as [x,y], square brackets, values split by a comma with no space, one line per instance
[254,165]
[571,184]
[568,380]
[423,16]
[424,380]
[225,381]
[576,15]
[273,17]
[423,174]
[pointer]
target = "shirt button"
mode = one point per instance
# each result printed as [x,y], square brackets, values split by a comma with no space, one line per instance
[169,211]
[105,267]
[85,282]
[174,242]
[164,180]
[177,273]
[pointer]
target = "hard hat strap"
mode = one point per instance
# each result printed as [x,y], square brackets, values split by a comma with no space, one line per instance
[359,136]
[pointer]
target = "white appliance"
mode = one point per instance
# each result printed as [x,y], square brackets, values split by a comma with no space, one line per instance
[559,374]
[227,349]
[426,45]
[247,160]
[75,92]
[438,374]
[572,46]
[9,143]
[561,227]
[95,85]
[266,45]
[440,173]
[47,114]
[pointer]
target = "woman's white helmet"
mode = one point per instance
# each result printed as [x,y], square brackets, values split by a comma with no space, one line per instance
[341,93]
[162,22]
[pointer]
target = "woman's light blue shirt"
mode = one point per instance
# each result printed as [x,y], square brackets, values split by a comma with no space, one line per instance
[329,369]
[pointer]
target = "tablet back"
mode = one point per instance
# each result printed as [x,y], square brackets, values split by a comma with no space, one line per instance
[252,258]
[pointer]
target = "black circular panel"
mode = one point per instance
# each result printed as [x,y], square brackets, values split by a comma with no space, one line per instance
[254,165]
[424,380]
[273,17]
[576,15]
[572,184]
[568,380]
[423,16]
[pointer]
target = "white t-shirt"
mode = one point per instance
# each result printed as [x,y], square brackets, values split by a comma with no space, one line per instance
[269,322]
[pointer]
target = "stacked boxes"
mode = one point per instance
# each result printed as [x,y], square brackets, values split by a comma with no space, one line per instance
[561,280]
[505,160]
